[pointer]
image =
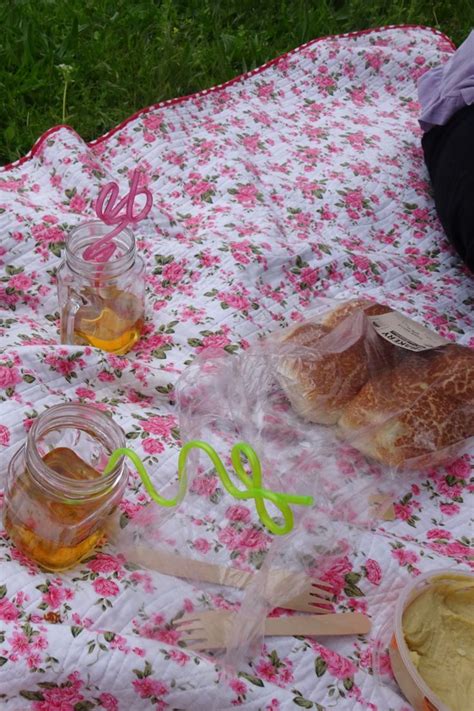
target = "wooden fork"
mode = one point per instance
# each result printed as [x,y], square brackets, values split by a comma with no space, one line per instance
[316,596]
[210,630]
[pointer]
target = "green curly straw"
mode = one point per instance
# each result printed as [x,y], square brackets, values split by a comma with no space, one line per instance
[253,483]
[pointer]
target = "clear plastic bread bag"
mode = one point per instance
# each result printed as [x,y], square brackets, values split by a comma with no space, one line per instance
[334,411]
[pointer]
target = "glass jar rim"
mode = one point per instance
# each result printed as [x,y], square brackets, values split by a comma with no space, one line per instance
[84,235]
[74,415]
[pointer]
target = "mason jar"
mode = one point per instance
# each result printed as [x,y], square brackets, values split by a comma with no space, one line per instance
[57,499]
[101,304]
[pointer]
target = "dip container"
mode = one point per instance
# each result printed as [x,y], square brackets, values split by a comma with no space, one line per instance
[418,693]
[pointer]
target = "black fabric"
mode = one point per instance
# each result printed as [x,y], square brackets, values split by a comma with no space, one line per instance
[449,156]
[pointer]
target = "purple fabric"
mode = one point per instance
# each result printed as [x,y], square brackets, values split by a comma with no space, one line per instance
[446,89]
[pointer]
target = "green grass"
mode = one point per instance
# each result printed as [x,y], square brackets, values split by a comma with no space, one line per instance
[91,63]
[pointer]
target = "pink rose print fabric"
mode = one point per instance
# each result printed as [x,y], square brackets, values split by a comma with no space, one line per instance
[304,178]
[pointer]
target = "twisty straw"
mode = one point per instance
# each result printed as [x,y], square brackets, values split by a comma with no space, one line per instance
[253,483]
[116,213]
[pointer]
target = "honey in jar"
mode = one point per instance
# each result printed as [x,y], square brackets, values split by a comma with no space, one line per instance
[102,304]
[57,499]
[111,319]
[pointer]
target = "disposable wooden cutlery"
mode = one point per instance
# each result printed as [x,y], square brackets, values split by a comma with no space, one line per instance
[316,596]
[210,630]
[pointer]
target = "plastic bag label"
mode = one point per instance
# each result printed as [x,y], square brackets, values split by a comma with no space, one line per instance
[405,333]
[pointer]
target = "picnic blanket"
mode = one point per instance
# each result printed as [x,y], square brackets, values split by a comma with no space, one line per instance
[302,178]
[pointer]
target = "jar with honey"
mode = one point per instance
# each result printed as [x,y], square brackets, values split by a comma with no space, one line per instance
[102,304]
[57,498]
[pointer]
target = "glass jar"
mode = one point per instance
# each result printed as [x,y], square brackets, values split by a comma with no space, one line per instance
[57,499]
[102,304]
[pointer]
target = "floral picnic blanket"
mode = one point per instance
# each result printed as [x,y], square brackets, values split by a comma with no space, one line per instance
[303,178]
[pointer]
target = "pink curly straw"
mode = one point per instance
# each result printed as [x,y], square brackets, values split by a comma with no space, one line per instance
[108,210]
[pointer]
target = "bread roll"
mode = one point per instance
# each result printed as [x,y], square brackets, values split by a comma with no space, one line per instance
[423,406]
[325,364]
[452,371]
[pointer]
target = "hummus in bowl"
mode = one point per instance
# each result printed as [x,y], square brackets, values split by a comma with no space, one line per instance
[432,648]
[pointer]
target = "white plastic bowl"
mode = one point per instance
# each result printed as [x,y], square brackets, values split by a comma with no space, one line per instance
[421,697]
